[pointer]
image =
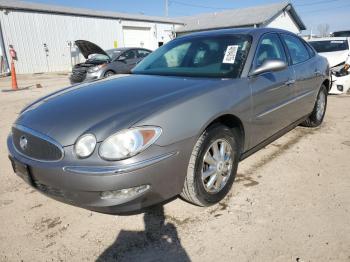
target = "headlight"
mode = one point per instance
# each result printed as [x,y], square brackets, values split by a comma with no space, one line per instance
[129,142]
[85,145]
[95,68]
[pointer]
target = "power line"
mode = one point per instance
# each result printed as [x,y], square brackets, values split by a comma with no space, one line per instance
[166,8]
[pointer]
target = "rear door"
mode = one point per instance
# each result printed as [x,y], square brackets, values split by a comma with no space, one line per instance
[271,91]
[308,76]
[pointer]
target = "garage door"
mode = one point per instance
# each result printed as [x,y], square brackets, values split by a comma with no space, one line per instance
[137,37]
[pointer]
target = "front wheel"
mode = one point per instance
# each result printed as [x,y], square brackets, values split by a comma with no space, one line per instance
[319,111]
[109,73]
[213,166]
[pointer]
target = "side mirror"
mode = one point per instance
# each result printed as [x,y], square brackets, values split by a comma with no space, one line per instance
[269,66]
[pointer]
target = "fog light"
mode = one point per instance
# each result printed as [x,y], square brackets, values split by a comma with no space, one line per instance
[124,193]
[340,88]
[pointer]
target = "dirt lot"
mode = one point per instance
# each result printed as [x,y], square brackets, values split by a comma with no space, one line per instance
[290,202]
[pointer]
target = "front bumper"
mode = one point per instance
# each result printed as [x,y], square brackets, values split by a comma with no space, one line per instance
[94,76]
[81,182]
[75,77]
[340,85]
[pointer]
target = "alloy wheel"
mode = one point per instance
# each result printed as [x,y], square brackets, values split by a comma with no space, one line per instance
[320,106]
[217,166]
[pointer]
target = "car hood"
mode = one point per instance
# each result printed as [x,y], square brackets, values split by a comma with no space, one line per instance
[87,48]
[106,106]
[335,58]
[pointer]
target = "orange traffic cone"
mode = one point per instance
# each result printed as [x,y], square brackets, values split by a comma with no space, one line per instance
[13,77]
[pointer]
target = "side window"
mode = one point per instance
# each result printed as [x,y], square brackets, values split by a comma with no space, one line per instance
[270,48]
[129,54]
[309,49]
[297,49]
[142,53]
[174,57]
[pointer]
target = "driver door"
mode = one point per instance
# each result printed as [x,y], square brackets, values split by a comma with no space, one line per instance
[272,92]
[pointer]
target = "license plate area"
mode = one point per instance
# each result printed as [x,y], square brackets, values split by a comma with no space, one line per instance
[22,170]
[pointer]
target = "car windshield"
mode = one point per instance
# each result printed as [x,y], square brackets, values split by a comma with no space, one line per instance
[330,45]
[98,57]
[201,56]
[113,53]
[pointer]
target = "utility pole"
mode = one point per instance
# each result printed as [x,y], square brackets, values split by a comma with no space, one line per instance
[166,8]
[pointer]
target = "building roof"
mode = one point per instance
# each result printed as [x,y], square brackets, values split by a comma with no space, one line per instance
[243,17]
[36,7]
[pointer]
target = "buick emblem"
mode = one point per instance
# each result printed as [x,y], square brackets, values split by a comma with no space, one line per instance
[23,142]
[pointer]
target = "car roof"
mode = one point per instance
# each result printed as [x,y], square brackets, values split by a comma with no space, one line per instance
[255,32]
[328,39]
[342,31]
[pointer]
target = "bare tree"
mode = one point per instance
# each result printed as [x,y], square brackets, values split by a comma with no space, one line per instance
[323,29]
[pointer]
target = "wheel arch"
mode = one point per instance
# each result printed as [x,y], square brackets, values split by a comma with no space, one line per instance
[231,121]
[109,70]
[327,83]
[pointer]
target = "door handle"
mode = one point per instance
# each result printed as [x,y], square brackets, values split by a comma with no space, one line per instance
[290,82]
[317,73]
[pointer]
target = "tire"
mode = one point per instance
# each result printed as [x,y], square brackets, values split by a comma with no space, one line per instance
[109,73]
[203,192]
[319,111]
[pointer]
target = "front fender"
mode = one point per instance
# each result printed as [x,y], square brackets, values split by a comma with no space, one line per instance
[190,117]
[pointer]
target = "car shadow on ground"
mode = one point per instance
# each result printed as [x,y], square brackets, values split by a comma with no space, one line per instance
[158,242]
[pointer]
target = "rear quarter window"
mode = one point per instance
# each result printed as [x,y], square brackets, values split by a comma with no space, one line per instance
[296,48]
[311,51]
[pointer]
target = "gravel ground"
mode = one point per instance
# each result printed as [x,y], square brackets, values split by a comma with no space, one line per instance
[290,202]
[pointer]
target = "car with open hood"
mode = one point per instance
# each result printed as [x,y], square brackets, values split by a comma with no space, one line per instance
[337,52]
[178,125]
[100,63]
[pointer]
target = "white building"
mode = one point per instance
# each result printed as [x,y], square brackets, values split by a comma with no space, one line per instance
[279,15]
[43,35]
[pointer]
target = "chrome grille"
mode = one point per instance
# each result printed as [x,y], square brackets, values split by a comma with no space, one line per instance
[38,147]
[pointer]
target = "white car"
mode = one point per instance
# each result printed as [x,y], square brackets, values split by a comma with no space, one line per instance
[337,52]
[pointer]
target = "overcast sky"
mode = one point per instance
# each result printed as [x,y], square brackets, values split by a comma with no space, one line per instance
[313,12]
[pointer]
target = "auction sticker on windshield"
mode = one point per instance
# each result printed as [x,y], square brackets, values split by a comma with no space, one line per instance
[230,54]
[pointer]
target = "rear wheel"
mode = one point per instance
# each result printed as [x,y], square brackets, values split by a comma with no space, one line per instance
[109,73]
[317,115]
[213,166]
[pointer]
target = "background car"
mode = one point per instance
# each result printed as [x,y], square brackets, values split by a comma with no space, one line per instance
[178,125]
[100,63]
[337,52]
[341,33]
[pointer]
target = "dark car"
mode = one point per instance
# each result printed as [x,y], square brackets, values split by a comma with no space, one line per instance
[100,64]
[178,125]
[341,34]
